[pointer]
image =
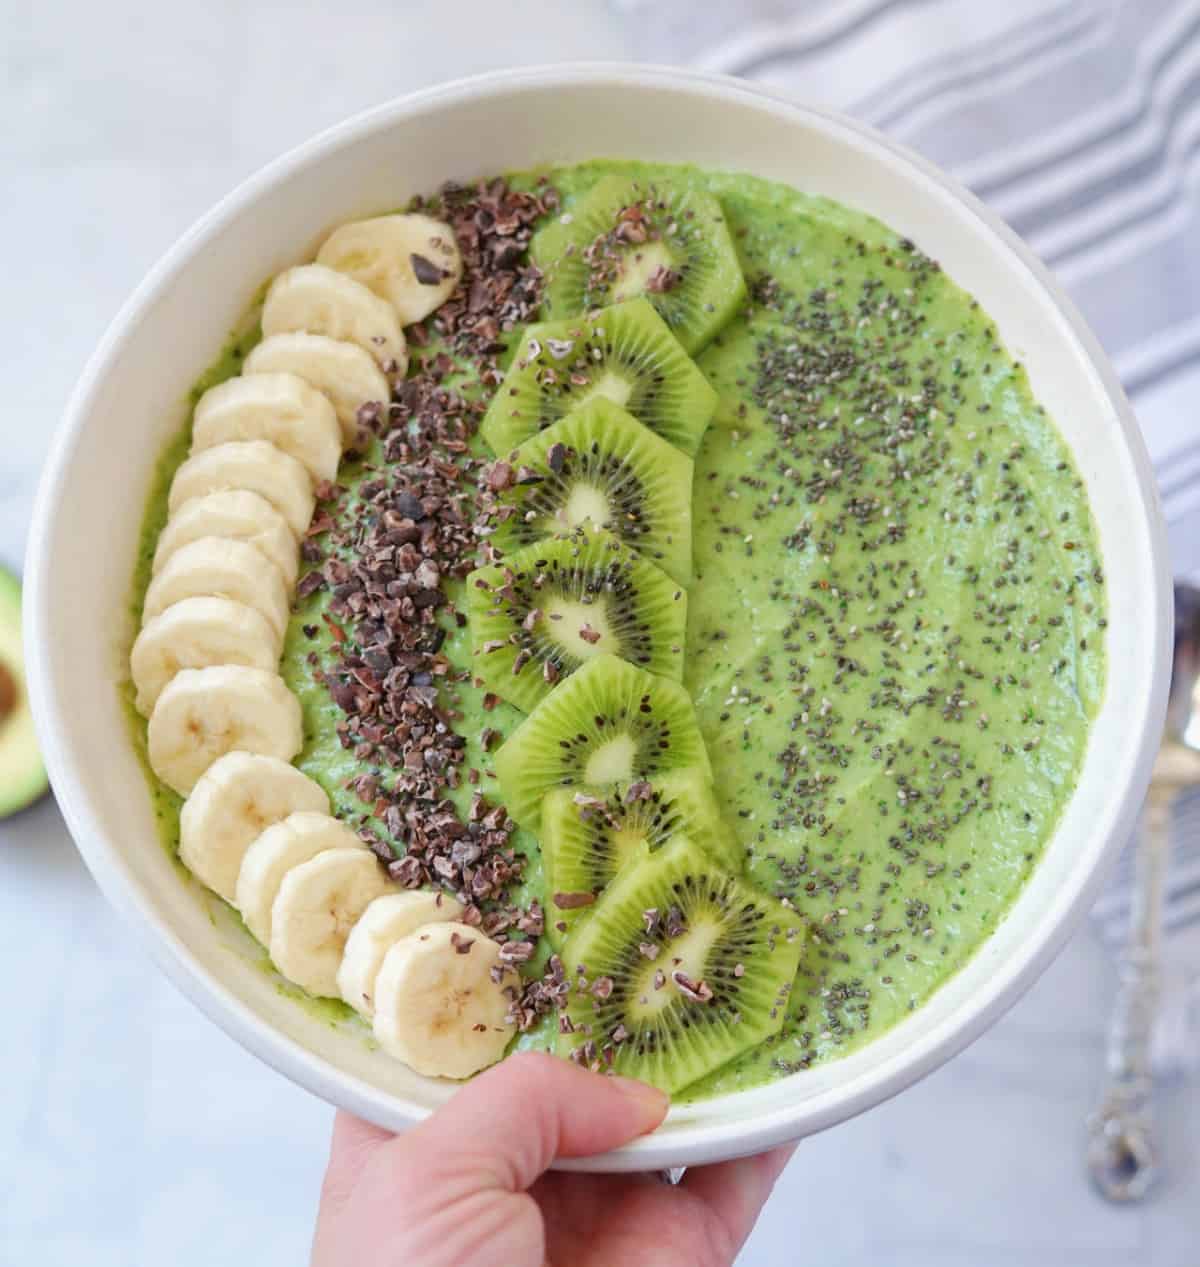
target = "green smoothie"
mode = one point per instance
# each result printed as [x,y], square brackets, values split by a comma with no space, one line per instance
[895,640]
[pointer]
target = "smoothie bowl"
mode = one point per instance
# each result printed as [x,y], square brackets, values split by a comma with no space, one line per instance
[605,561]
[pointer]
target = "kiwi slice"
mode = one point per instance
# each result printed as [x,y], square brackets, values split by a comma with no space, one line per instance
[586,838]
[679,967]
[609,723]
[655,238]
[544,611]
[624,354]
[599,465]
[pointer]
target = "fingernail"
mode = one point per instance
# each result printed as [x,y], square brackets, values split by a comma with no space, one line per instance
[651,1099]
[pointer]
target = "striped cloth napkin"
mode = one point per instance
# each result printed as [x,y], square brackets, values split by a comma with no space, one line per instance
[1079,122]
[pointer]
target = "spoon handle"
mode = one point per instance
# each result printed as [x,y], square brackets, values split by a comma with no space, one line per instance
[1122,1158]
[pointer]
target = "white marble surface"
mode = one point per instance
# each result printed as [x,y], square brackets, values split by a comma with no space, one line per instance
[131,1130]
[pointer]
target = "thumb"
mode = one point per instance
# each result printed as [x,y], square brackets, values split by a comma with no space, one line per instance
[510,1123]
[453,1190]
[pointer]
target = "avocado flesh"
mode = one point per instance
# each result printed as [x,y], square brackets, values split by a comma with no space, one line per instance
[22,774]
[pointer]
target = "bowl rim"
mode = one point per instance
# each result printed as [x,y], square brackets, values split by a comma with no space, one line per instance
[692,1143]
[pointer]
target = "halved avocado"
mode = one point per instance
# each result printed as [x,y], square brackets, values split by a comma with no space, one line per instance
[22,774]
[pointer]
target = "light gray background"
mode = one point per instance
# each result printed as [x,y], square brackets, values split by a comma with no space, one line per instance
[132,1132]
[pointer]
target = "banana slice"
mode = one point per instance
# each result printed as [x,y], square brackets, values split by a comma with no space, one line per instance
[343,371]
[219,567]
[281,408]
[255,465]
[318,903]
[236,515]
[282,846]
[204,713]
[321,300]
[234,801]
[194,633]
[436,1005]
[383,923]
[412,261]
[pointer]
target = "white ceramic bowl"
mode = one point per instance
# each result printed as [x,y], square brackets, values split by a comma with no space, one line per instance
[132,398]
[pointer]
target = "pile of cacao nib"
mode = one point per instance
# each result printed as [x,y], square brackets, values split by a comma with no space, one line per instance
[384,552]
[499,289]
[492,507]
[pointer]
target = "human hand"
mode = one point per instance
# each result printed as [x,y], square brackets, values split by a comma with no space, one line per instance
[469,1187]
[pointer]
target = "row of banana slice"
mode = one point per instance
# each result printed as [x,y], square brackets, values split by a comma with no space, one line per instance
[258,832]
[216,611]
[223,726]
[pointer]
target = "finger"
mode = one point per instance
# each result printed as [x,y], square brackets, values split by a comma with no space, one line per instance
[353,1135]
[736,1191]
[616,1219]
[353,1144]
[510,1123]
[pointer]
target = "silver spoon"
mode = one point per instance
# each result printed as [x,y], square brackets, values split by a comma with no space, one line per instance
[1122,1158]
